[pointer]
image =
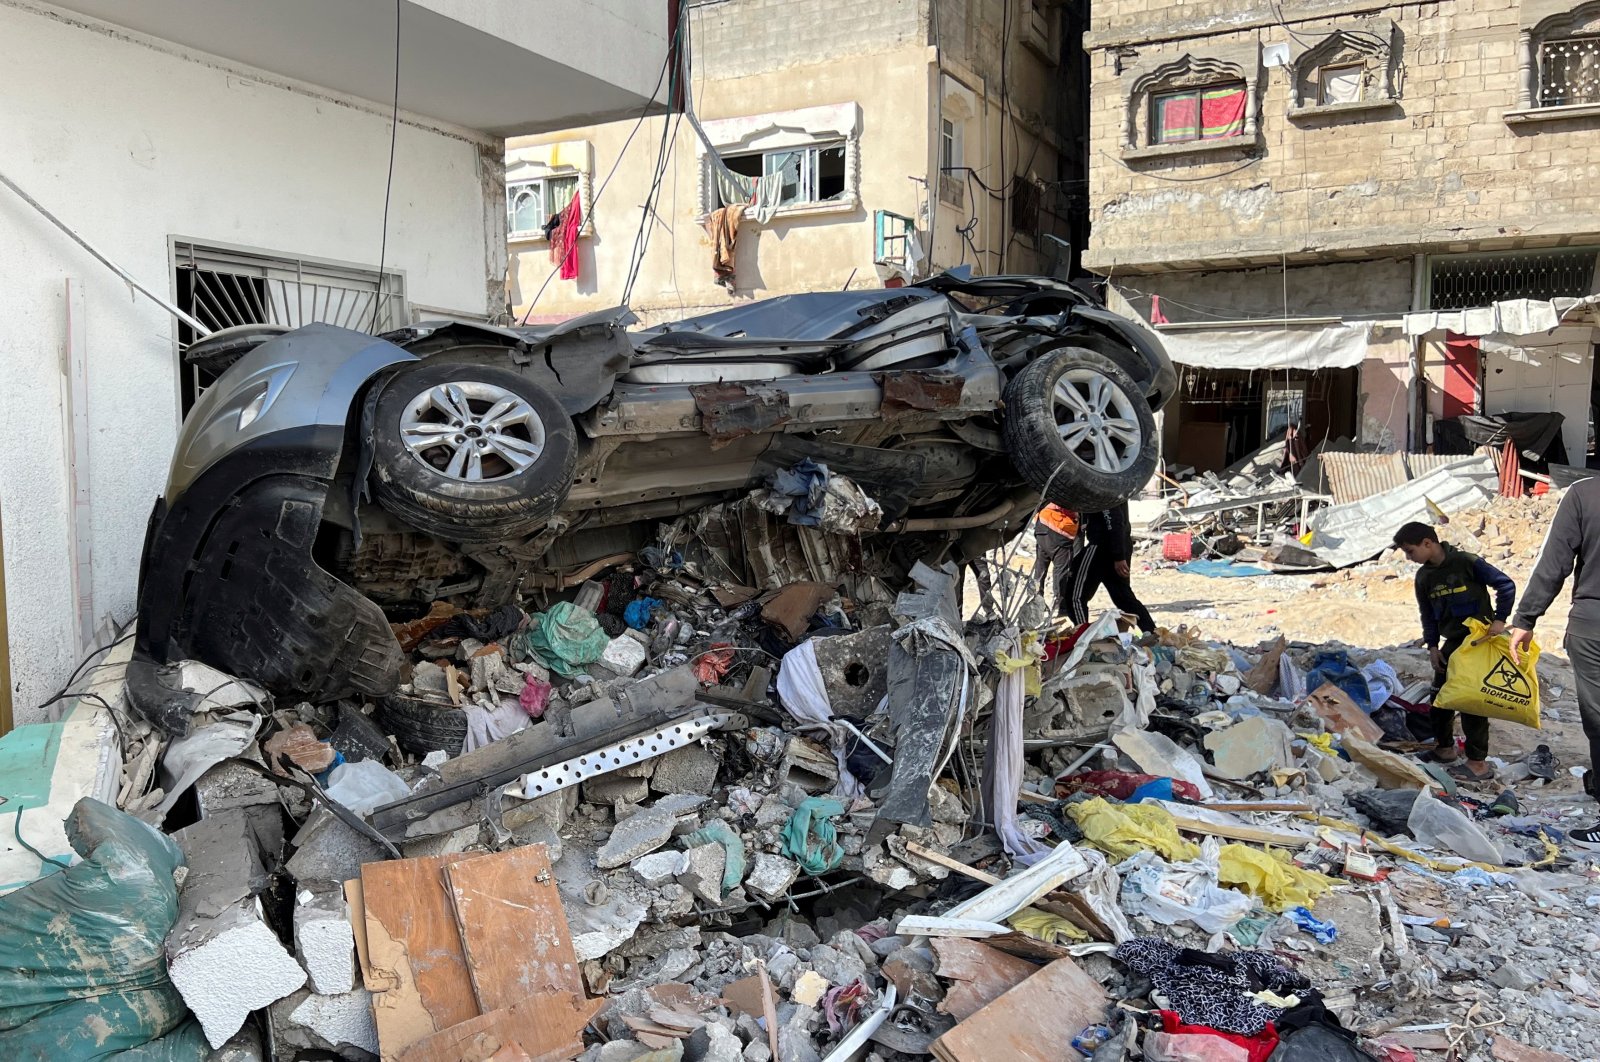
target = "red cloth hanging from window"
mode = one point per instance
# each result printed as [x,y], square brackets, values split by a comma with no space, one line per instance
[564,241]
[1221,112]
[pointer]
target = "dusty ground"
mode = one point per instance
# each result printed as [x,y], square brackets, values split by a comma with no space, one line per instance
[1371,608]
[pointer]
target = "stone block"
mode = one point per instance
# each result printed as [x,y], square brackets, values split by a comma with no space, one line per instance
[328,850]
[703,877]
[770,876]
[341,1024]
[611,790]
[855,670]
[324,941]
[645,830]
[691,769]
[658,868]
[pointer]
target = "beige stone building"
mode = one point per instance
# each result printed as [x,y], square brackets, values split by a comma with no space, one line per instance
[907,140]
[1364,217]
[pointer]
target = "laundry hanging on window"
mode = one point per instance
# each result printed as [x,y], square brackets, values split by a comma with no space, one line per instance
[564,238]
[723,228]
[763,195]
[1211,114]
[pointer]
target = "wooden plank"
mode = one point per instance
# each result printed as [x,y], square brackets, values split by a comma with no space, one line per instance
[356,911]
[980,975]
[1259,805]
[548,1028]
[1033,1022]
[1239,831]
[922,851]
[419,974]
[513,927]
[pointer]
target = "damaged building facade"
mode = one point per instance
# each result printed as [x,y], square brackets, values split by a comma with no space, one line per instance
[896,139]
[233,160]
[1362,219]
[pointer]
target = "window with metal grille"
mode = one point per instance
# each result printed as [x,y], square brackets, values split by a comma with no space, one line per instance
[224,287]
[529,204]
[1462,282]
[1569,71]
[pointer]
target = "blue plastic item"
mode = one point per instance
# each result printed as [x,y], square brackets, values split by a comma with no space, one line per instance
[637,614]
[1334,666]
[1325,932]
[1160,788]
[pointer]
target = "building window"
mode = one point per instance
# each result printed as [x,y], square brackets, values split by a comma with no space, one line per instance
[1569,71]
[1193,104]
[530,204]
[814,149]
[949,145]
[1351,69]
[222,287]
[1214,112]
[1037,28]
[810,174]
[1469,281]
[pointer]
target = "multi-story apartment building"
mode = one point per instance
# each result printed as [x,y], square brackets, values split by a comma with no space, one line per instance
[898,138]
[1365,217]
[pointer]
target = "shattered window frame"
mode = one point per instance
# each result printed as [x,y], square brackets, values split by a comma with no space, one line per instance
[808,174]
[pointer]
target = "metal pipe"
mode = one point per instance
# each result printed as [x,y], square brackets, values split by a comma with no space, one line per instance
[955,523]
[564,580]
[108,263]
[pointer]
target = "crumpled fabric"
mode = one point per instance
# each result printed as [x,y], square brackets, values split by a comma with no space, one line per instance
[711,665]
[1119,785]
[485,725]
[718,832]
[1121,831]
[639,612]
[1257,1047]
[1042,925]
[842,1005]
[563,639]
[1271,877]
[763,194]
[1002,761]
[1212,990]
[808,495]
[1334,666]
[804,696]
[535,696]
[810,837]
[501,623]
[1325,932]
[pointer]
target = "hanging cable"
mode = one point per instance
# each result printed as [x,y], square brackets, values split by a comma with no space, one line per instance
[388,183]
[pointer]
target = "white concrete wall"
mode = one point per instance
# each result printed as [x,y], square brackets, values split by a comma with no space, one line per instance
[132,144]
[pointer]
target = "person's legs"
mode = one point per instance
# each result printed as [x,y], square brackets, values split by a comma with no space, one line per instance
[1476,728]
[1585,656]
[1122,595]
[1080,584]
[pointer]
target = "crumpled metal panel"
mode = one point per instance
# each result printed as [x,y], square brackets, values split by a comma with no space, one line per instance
[1351,533]
[919,391]
[1354,476]
[730,411]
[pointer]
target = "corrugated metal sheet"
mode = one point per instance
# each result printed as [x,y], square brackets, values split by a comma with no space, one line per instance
[1352,477]
[1351,533]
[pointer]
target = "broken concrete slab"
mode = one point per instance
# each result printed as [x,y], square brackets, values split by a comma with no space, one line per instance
[691,769]
[855,670]
[807,765]
[342,1024]
[609,789]
[328,850]
[221,955]
[703,877]
[658,868]
[770,876]
[324,940]
[646,830]
[1250,747]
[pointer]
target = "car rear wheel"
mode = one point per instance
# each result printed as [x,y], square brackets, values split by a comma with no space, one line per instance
[1079,430]
[470,453]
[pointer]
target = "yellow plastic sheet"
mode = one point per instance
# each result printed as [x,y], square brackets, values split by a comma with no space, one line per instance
[1271,877]
[1484,680]
[1121,830]
[1029,658]
[1041,925]
[1324,742]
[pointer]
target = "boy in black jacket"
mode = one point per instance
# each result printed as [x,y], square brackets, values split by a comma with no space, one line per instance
[1452,587]
[1107,547]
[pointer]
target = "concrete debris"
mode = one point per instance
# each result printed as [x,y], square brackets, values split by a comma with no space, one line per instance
[874,865]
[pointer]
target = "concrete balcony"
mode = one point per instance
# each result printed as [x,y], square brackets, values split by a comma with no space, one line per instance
[504,67]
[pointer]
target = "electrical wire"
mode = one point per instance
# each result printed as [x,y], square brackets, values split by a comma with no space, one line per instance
[388,184]
[1193,180]
[1005,120]
[669,136]
[594,201]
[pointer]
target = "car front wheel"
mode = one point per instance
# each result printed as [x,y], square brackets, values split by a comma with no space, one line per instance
[470,453]
[1079,430]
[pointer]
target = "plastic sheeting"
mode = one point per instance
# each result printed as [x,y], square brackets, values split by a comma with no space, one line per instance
[1514,317]
[1349,534]
[1278,346]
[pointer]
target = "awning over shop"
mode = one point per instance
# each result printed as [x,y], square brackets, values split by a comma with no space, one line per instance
[1514,317]
[1275,345]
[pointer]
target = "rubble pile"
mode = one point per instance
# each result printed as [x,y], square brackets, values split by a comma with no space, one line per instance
[665,815]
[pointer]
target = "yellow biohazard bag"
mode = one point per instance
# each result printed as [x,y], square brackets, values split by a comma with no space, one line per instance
[1484,680]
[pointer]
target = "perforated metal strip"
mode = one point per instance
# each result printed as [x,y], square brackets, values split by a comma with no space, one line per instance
[636,749]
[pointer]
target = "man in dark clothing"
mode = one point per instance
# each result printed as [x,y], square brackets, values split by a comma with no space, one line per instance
[1573,538]
[1452,587]
[1107,547]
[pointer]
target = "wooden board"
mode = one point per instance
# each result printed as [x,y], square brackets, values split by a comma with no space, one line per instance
[1341,715]
[416,967]
[922,851]
[547,1028]
[355,909]
[1033,1022]
[513,927]
[1241,831]
[979,975]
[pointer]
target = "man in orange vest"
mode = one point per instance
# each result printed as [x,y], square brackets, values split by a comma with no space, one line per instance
[1055,541]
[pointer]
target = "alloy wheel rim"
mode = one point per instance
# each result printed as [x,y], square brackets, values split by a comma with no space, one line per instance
[472,432]
[1096,420]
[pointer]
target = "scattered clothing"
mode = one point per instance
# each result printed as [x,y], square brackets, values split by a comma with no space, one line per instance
[762,195]
[1258,1046]
[564,242]
[1212,990]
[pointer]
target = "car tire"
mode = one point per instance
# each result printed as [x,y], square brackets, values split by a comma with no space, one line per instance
[1079,430]
[470,453]
[420,725]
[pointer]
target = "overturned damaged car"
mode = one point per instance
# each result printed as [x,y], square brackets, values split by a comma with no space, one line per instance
[329,482]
